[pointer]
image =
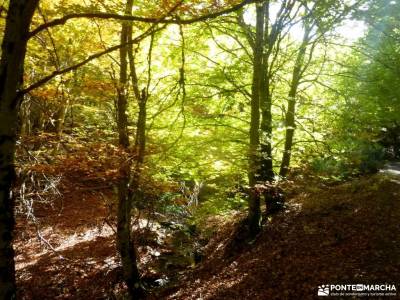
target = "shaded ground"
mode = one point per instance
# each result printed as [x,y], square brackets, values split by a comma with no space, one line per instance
[84,263]
[346,233]
[70,252]
[331,235]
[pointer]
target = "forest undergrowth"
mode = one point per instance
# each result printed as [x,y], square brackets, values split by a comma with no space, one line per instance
[330,233]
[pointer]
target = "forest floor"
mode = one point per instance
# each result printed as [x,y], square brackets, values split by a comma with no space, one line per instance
[339,233]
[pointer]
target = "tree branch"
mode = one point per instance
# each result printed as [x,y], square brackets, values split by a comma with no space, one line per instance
[87,60]
[107,16]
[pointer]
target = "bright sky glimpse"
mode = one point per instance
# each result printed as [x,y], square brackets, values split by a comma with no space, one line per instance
[350,30]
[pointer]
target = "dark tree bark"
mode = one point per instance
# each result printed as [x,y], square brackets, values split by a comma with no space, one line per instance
[272,38]
[141,98]
[266,163]
[140,142]
[125,241]
[291,109]
[122,102]
[15,39]
[254,159]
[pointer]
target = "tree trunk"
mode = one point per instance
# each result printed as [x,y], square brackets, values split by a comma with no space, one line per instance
[291,109]
[140,142]
[125,242]
[290,126]
[266,162]
[254,161]
[61,114]
[141,98]
[18,20]
[25,117]
[122,118]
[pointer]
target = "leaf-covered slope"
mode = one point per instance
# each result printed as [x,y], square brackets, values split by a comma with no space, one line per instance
[344,234]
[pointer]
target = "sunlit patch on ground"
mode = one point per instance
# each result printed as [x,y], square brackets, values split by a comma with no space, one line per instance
[355,223]
[392,168]
[83,252]
[344,233]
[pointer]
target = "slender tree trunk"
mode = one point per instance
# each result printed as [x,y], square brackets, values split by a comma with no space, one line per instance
[18,20]
[61,114]
[141,98]
[266,162]
[60,121]
[125,241]
[290,126]
[122,103]
[291,109]
[254,161]
[140,137]
[140,142]
[25,117]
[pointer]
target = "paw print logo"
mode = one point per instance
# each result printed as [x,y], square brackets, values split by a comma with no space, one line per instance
[323,290]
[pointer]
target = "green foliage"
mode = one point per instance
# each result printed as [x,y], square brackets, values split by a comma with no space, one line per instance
[220,204]
[170,205]
[197,128]
[360,158]
[223,203]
